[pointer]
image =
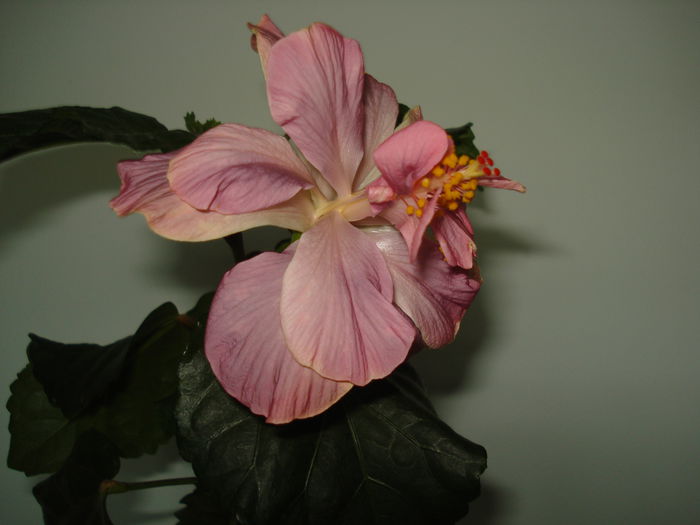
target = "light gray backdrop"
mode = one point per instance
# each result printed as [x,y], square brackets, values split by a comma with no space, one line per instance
[577,366]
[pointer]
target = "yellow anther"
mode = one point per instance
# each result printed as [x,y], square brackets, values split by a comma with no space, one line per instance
[419,213]
[463,160]
[450,160]
[421,203]
[465,185]
[425,182]
[438,171]
[469,194]
[466,199]
[410,210]
[452,206]
[473,184]
[456,178]
[454,195]
[447,187]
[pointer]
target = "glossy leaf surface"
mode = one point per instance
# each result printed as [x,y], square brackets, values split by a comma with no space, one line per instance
[380,456]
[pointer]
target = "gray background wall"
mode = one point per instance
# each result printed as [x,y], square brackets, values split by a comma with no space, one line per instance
[577,367]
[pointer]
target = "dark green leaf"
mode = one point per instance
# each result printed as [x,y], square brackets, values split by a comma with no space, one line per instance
[76,377]
[41,436]
[403,109]
[284,243]
[203,508]
[463,137]
[30,130]
[196,127]
[135,419]
[136,412]
[380,456]
[75,494]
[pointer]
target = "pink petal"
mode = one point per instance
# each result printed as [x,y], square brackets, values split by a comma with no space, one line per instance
[145,189]
[314,86]
[380,195]
[454,233]
[237,169]
[414,228]
[337,311]
[500,182]
[413,115]
[411,153]
[246,348]
[434,295]
[265,34]
[411,227]
[381,109]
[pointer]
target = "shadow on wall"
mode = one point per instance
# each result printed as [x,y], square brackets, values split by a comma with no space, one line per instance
[34,185]
[451,368]
[491,507]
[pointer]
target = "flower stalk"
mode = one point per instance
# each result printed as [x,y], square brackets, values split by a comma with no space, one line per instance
[112,486]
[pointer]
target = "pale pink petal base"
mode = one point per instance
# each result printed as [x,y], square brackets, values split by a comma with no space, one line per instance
[315,81]
[145,189]
[237,169]
[434,295]
[247,351]
[337,311]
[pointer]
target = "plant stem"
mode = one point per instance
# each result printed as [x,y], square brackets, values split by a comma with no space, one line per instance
[235,242]
[113,486]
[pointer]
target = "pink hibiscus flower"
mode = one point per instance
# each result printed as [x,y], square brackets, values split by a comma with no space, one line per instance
[290,333]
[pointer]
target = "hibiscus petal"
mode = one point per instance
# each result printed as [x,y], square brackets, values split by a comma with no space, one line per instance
[411,227]
[237,169]
[145,189]
[246,348]
[410,153]
[265,34]
[314,87]
[412,115]
[381,109]
[500,182]
[454,233]
[433,294]
[337,311]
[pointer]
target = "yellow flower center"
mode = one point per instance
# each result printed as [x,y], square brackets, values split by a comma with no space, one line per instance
[453,181]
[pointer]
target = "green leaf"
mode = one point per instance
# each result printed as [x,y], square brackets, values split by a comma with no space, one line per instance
[379,456]
[75,494]
[135,409]
[463,137]
[30,130]
[76,377]
[403,109]
[41,436]
[136,419]
[195,127]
